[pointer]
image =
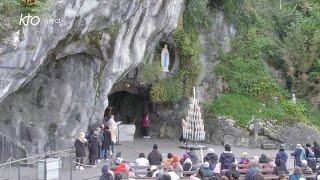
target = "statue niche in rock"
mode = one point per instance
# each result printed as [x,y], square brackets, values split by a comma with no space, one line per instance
[165,58]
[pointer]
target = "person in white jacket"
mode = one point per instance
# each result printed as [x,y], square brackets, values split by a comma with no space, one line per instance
[141,161]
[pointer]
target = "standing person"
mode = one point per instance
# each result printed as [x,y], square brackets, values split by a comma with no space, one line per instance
[280,167]
[155,158]
[100,130]
[113,131]
[316,149]
[299,155]
[94,148]
[111,122]
[80,145]
[106,143]
[146,122]
[226,158]
[311,160]
[183,125]
[282,154]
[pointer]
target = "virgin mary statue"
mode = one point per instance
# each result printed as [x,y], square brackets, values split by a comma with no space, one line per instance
[165,60]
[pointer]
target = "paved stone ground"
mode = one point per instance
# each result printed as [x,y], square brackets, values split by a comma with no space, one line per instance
[130,151]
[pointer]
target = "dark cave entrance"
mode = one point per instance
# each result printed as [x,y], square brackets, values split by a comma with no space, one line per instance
[128,108]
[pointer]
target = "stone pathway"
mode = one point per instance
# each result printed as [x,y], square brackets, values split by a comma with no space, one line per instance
[130,151]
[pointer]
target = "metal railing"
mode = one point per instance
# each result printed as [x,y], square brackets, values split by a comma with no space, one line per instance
[26,168]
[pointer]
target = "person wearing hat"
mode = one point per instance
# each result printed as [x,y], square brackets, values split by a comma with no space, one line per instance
[211,158]
[299,155]
[282,155]
[227,158]
[106,173]
[205,170]
[94,148]
[80,145]
[155,157]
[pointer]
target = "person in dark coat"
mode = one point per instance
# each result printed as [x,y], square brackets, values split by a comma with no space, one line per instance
[94,148]
[193,156]
[106,143]
[282,155]
[316,149]
[263,158]
[280,167]
[299,155]
[226,158]
[106,173]
[311,159]
[80,145]
[211,158]
[155,158]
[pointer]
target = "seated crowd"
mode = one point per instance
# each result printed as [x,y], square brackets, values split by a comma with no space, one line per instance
[226,167]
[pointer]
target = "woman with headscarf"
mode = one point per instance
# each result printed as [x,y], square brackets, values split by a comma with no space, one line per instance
[80,145]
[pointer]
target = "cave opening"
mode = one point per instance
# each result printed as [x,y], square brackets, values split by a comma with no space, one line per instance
[128,108]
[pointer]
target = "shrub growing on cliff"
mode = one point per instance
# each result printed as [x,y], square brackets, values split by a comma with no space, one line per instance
[286,39]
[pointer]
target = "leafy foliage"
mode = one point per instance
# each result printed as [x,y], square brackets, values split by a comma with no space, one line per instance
[187,41]
[286,39]
[150,73]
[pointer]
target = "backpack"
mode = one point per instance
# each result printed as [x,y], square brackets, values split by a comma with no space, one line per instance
[302,155]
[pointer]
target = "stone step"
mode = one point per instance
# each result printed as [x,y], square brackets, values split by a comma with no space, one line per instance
[268,146]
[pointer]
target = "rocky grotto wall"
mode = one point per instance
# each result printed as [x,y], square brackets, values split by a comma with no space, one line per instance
[56,78]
